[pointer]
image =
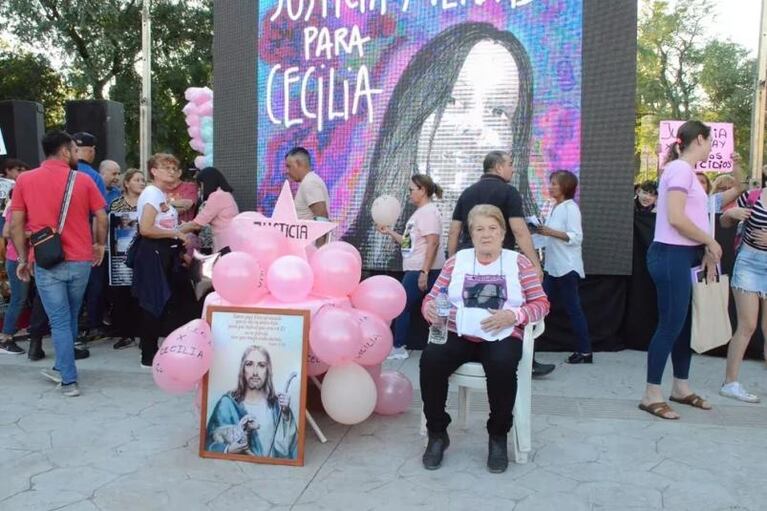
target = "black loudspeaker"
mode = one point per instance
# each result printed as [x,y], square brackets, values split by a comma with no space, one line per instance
[103,119]
[22,125]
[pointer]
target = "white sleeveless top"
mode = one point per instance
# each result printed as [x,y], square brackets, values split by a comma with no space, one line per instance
[474,288]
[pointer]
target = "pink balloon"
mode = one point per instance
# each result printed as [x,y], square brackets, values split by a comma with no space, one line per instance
[315,366]
[205,109]
[197,144]
[185,355]
[193,120]
[192,92]
[374,372]
[199,162]
[342,245]
[311,303]
[248,217]
[377,339]
[289,278]
[166,382]
[189,108]
[194,132]
[381,294]
[203,96]
[212,299]
[199,327]
[263,243]
[336,272]
[238,278]
[335,335]
[395,393]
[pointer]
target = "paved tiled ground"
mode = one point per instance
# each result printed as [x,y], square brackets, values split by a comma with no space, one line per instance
[124,445]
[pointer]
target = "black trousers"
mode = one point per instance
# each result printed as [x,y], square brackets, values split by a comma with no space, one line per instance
[499,360]
[126,314]
[181,308]
[38,320]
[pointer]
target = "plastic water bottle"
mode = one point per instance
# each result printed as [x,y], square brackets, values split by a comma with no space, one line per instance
[438,329]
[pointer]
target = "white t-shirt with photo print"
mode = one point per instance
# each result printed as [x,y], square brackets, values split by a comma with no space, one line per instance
[167,216]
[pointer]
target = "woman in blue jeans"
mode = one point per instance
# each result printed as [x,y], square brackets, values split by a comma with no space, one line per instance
[422,256]
[682,241]
[564,259]
[19,290]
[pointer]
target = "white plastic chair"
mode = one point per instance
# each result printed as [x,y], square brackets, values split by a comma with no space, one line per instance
[471,376]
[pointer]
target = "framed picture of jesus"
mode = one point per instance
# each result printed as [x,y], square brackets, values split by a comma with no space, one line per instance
[254,396]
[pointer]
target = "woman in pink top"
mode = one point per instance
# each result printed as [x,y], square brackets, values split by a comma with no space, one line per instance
[422,256]
[681,241]
[219,207]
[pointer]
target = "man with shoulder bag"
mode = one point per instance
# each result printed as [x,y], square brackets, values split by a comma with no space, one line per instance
[54,204]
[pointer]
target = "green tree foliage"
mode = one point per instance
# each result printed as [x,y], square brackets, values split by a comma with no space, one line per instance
[99,43]
[681,75]
[31,77]
[670,56]
[727,78]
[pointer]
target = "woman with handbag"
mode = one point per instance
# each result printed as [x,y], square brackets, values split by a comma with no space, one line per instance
[749,285]
[681,241]
[160,283]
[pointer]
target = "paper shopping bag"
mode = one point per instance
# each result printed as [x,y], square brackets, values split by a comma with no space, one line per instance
[711,326]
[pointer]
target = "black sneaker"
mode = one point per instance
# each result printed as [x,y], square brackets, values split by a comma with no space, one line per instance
[96,334]
[81,353]
[125,342]
[11,348]
[542,369]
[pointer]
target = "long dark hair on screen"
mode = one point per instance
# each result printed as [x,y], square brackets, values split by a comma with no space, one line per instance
[424,88]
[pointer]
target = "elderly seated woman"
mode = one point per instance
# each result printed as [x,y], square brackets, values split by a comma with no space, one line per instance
[487,328]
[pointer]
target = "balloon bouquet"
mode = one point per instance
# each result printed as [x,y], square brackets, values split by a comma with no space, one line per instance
[349,333]
[199,120]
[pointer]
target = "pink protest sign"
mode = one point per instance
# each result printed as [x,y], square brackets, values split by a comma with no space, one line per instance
[722,145]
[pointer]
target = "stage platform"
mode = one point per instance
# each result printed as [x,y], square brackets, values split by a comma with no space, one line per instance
[125,445]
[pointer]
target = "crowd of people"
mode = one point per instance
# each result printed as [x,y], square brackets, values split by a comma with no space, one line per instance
[680,204]
[73,299]
[494,278]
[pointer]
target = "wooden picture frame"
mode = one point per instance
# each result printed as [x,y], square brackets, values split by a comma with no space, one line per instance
[259,359]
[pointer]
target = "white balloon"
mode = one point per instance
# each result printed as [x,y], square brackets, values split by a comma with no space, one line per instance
[385,210]
[349,393]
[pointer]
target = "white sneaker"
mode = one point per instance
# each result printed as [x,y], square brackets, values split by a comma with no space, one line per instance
[399,353]
[737,391]
[70,389]
[52,374]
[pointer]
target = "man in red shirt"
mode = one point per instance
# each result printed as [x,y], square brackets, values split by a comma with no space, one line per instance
[37,199]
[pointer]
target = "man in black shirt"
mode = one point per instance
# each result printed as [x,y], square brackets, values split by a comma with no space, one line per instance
[494,188]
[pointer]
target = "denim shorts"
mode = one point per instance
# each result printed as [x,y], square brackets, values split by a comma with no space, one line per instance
[750,272]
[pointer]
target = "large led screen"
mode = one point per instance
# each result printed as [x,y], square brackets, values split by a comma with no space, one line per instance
[379,90]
